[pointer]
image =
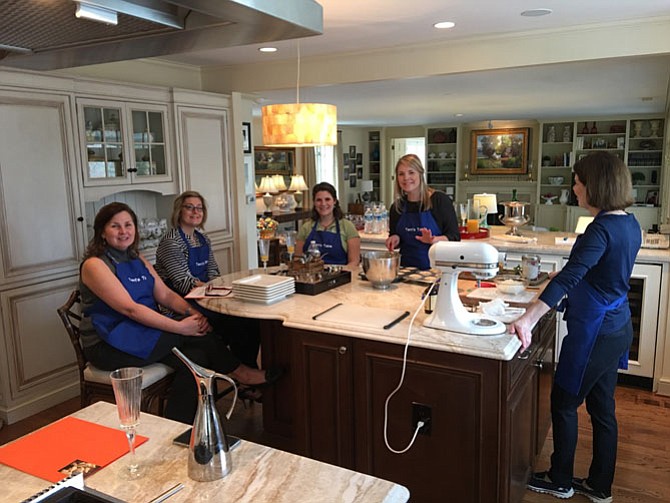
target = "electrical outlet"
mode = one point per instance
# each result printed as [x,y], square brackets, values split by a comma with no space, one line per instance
[422,412]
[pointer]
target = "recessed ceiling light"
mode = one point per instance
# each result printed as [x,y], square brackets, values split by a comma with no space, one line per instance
[268,49]
[647,98]
[444,25]
[536,12]
[458,115]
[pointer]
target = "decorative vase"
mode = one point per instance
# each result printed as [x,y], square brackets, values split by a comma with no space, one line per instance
[267,234]
[594,129]
[637,129]
[551,134]
[567,134]
[653,126]
[565,195]
[585,129]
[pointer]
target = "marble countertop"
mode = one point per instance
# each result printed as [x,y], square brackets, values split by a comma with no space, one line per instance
[260,474]
[296,311]
[539,242]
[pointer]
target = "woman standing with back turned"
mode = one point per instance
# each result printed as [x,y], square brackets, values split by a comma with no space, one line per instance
[419,216]
[596,281]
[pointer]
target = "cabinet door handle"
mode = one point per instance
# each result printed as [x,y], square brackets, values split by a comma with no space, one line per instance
[342,350]
[80,219]
[525,355]
[539,364]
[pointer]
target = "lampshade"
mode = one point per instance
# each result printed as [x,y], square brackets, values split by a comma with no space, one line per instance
[279,182]
[489,201]
[299,125]
[267,185]
[298,183]
[366,186]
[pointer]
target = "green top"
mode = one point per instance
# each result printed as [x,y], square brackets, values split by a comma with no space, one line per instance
[347,231]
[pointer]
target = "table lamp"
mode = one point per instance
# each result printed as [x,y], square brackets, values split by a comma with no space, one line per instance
[366,190]
[490,202]
[267,186]
[298,185]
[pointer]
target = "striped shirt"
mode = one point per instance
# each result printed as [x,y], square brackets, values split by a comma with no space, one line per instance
[172,263]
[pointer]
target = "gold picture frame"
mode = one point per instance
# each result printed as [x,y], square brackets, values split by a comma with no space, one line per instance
[274,161]
[499,151]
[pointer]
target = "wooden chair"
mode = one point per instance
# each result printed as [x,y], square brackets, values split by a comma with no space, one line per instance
[95,384]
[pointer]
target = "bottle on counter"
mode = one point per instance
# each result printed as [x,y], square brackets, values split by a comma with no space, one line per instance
[377,227]
[368,220]
[385,220]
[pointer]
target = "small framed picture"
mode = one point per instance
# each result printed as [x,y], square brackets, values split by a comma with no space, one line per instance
[345,173]
[652,197]
[246,137]
[359,159]
[352,165]
[346,158]
[352,151]
[359,172]
[352,180]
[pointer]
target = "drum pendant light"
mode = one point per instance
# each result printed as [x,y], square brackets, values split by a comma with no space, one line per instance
[299,124]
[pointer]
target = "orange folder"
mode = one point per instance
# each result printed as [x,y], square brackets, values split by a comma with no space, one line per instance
[46,451]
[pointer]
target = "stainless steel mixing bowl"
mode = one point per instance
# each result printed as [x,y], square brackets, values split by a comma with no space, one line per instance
[381,267]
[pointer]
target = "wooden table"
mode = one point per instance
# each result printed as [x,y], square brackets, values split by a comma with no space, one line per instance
[260,474]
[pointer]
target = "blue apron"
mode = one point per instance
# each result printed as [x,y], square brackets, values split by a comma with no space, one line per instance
[585,310]
[120,331]
[414,253]
[198,257]
[329,243]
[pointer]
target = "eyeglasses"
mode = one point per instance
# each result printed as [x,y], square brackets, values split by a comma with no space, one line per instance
[190,207]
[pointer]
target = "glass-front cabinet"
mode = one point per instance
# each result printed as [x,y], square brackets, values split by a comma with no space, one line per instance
[123,143]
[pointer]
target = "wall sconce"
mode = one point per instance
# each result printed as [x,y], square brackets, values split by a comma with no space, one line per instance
[298,185]
[490,202]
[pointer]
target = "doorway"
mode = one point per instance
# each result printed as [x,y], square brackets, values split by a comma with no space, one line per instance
[400,147]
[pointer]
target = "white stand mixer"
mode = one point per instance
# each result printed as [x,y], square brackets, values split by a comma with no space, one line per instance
[452,258]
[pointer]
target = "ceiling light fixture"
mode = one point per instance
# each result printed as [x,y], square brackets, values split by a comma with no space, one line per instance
[267,49]
[95,13]
[299,124]
[442,25]
[536,12]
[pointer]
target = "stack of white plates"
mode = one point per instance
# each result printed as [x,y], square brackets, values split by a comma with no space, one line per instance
[263,288]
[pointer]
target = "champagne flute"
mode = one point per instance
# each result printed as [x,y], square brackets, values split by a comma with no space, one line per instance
[127,385]
[264,248]
[290,244]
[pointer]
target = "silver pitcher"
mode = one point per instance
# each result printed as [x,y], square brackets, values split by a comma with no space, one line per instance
[209,453]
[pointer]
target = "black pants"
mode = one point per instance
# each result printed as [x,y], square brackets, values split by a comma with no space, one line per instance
[242,335]
[597,389]
[209,351]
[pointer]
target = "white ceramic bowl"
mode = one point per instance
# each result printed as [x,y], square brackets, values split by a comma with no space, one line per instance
[511,285]
[555,180]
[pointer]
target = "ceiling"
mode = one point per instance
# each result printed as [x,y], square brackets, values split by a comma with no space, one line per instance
[224,36]
[595,86]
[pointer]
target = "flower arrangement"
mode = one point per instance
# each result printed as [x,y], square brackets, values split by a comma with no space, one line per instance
[267,227]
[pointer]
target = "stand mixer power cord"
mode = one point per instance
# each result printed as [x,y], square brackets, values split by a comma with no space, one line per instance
[419,424]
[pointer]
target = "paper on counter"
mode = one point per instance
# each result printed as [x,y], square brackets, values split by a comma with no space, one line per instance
[360,316]
[514,239]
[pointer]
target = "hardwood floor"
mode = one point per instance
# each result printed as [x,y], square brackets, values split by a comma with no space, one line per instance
[643,468]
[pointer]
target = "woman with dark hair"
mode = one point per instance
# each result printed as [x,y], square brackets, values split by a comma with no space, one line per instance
[419,216]
[185,260]
[122,326]
[336,237]
[596,281]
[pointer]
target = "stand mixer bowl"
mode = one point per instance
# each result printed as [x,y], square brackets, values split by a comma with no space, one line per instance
[381,267]
[515,216]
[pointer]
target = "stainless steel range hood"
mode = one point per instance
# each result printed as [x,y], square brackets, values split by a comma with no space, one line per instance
[40,35]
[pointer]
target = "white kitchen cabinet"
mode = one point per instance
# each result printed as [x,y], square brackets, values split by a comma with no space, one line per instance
[124,145]
[205,166]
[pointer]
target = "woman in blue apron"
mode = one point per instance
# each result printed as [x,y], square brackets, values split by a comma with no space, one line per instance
[419,216]
[185,260]
[336,237]
[122,326]
[596,282]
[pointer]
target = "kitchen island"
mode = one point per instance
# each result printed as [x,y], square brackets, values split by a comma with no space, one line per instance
[488,403]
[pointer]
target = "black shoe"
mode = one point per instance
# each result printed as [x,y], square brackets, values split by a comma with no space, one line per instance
[248,395]
[541,483]
[582,487]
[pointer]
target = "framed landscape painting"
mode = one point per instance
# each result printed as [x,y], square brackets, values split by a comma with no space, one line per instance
[499,151]
[274,161]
